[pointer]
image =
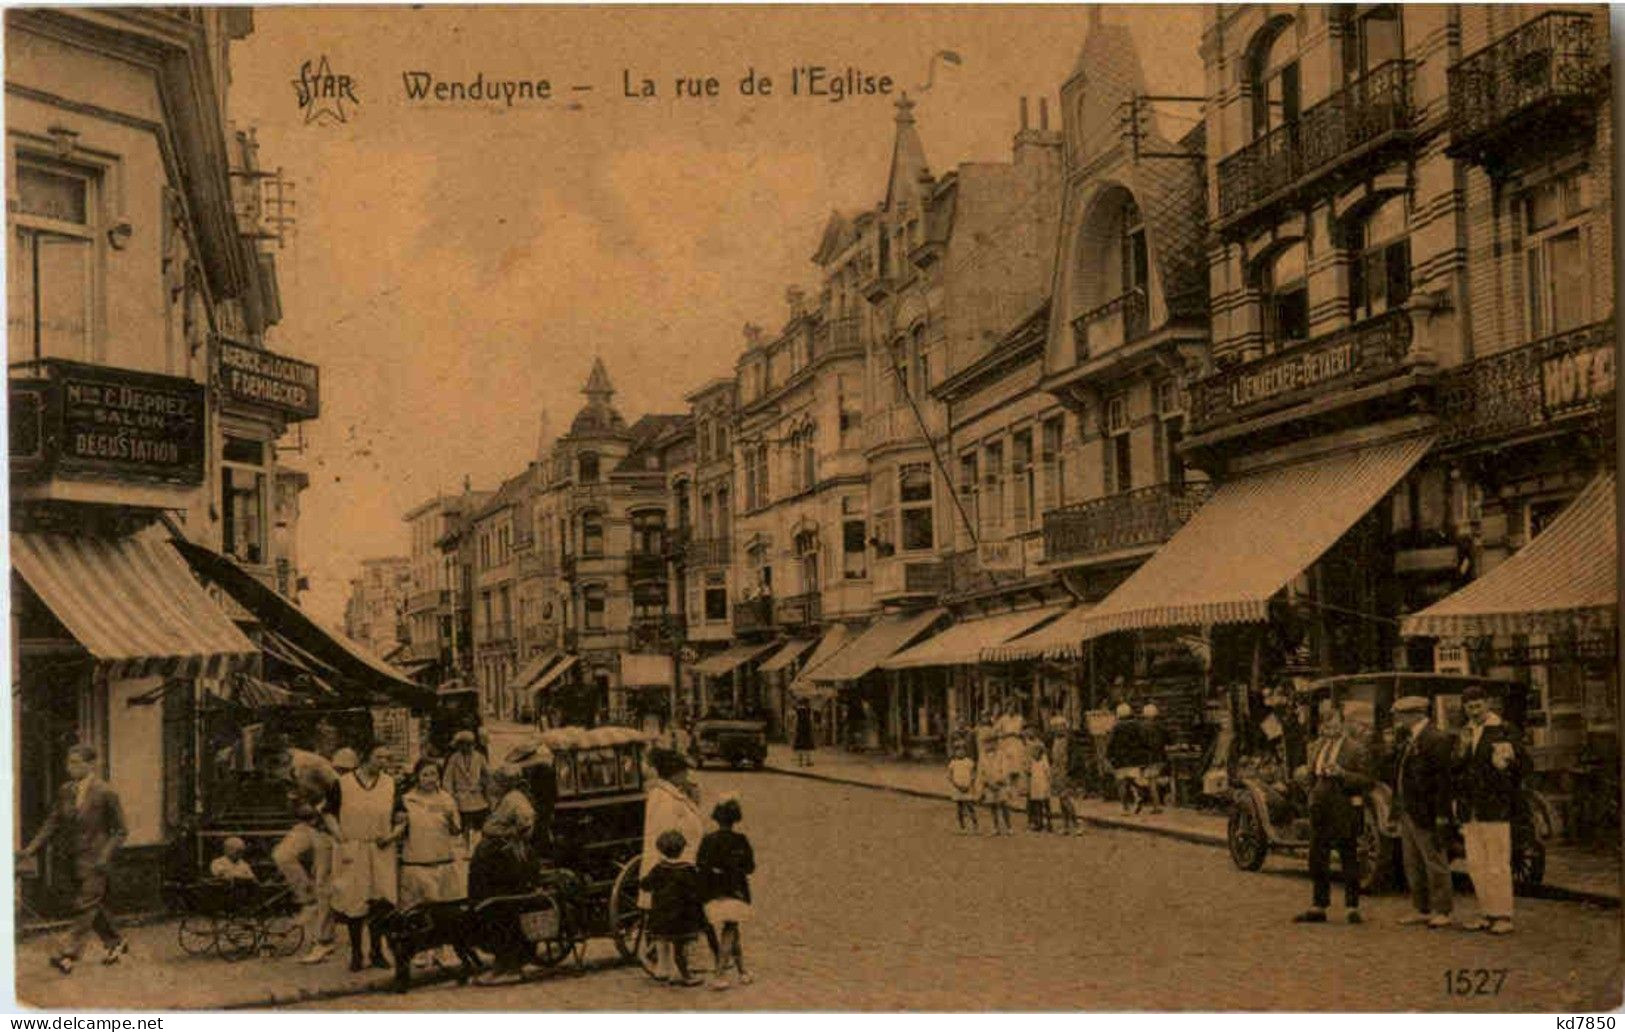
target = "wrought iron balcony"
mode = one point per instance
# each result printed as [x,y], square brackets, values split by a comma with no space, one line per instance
[654,633]
[709,552]
[1510,95]
[1351,123]
[1122,319]
[796,610]
[1147,516]
[646,566]
[1531,387]
[753,614]
[1336,361]
[840,333]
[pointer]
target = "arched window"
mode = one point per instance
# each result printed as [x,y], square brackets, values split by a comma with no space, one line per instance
[1380,259]
[1273,76]
[592,533]
[587,467]
[1284,285]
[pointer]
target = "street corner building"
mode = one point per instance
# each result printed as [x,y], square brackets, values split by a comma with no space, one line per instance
[155,574]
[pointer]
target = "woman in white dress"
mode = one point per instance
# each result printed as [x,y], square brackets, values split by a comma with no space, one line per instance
[1012,749]
[362,806]
[990,770]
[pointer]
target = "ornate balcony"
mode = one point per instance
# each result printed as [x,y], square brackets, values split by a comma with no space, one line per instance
[1365,352]
[1147,516]
[1117,322]
[654,633]
[646,566]
[898,425]
[799,610]
[753,614]
[709,552]
[1513,94]
[1529,388]
[1357,120]
[838,334]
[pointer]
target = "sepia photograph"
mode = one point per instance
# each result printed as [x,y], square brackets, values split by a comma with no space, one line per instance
[858,508]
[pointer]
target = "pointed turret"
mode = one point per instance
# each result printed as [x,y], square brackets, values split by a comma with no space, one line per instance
[598,389]
[908,165]
[598,417]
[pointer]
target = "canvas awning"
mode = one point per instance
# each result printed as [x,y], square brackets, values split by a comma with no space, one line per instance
[132,603]
[1251,538]
[886,636]
[350,661]
[534,667]
[834,640]
[1564,580]
[646,670]
[964,642]
[727,660]
[791,651]
[553,674]
[1054,640]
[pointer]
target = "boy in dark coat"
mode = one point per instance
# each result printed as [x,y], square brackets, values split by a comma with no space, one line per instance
[677,912]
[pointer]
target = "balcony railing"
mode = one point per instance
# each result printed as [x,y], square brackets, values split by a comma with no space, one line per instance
[753,614]
[1147,516]
[1345,124]
[1527,388]
[802,609]
[1367,351]
[654,633]
[901,578]
[898,425]
[646,566]
[1122,319]
[839,334]
[1519,82]
[709,551]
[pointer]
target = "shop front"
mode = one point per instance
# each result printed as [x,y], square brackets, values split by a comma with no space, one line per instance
[820,698]
[871,700]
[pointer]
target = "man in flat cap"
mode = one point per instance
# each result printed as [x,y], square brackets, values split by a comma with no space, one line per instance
[1423,800]
[1489,773]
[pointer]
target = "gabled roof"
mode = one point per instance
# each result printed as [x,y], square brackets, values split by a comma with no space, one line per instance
[505,496]
[837,234]
[647,434]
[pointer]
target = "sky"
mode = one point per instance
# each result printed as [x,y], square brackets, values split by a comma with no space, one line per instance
[456,266]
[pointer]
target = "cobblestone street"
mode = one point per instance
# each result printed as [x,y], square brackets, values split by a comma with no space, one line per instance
[868,900]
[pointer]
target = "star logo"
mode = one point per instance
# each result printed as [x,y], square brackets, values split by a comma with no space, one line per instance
[322,93]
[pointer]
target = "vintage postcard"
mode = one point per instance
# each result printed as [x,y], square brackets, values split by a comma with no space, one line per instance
[862,508]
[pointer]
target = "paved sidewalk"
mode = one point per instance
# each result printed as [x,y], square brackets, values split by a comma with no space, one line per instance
[1586,875]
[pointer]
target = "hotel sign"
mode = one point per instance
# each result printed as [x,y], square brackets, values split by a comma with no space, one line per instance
[117,423]
[258,377]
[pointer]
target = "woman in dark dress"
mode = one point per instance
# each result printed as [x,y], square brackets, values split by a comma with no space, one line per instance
[804,734]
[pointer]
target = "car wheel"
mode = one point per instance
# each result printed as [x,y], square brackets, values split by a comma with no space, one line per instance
[1245,836]
[1376,855]
[1528,859]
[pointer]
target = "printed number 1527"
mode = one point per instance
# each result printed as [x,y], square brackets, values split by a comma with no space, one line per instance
[1474,981]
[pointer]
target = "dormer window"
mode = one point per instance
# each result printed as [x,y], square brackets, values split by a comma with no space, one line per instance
[587,467]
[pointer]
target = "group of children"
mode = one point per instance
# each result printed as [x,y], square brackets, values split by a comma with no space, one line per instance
[1007,777]
[708,896]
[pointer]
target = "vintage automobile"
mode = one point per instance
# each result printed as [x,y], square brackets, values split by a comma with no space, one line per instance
[456,708]
[587,787]
[1269,809]
[736,741]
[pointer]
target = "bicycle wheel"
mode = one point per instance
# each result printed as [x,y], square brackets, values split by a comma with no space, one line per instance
[197,934]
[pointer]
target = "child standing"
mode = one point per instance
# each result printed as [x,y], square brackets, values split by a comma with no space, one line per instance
[726,863]
[1038,789]
[676,916]
[962,776]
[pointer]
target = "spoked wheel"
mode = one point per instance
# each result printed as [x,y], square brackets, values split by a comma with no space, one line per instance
[1245,836]
[197,934]
[239,938]
[1376,854]
[626,918]
[1528,859]
[281,935]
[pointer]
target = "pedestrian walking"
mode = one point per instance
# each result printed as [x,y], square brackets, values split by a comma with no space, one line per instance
[726,862]
[1423,799]
[87,820]
[1340,776]
[1125,751]
[1488,780]
[962,777]
[362,809]
[676,915]
[1155,746]
[1038,788]
[468,779]
[804,734]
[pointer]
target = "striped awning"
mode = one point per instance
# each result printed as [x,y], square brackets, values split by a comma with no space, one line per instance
[554,674]
[727,660]
[132,603]
[834,640]
[1247,542]
[1564,580]
[964,642]
[1056,640]
[534,668]
[885,637]
[791,651]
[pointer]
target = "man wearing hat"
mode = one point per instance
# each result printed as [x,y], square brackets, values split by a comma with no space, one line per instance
[1489,772]
[468,779]
[1339,775]
[1125,751]
[1423,799]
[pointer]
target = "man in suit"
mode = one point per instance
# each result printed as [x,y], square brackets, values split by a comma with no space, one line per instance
[88,819]
[1423,800]
[1489,772]
[1339,773]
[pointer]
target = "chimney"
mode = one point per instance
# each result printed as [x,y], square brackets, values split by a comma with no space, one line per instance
[1024,113]
[1043,115]
[1035,145]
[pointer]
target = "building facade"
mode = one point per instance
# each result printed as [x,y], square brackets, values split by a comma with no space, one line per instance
[376,613]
